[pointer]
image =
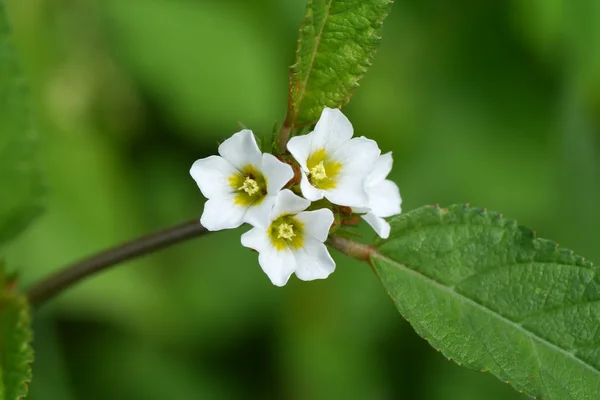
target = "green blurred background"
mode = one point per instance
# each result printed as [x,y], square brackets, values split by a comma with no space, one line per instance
[492,103]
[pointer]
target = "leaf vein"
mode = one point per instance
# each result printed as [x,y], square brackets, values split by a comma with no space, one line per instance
[563,307]
[488,311]
[313,55]
[538,362]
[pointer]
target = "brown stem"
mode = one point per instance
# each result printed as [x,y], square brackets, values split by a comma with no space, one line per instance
[360,251]
[284,136]
[68,276]
[284,133]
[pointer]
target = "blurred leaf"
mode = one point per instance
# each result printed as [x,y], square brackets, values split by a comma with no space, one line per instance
[338,39]
[206,64]
[569,33]
[491,296]
[584,49]
[16,354]
[20,186]
[543,23]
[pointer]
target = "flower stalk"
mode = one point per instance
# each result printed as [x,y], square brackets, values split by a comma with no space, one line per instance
[359,251]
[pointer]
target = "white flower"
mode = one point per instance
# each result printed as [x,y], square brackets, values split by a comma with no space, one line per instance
[384,197]
[241,185]
[334,165]
[292,241]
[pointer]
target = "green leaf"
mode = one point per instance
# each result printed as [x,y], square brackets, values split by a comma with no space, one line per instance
[16,354]
[19,179]
[491,296]
[338,39]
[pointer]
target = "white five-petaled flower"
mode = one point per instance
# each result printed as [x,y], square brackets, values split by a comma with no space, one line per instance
[292,240]
[241,184]
[334,165]
[384,197]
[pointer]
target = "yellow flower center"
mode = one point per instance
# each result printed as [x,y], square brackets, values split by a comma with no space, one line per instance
[250,186]
[318,172]
[286,231]
[323,171]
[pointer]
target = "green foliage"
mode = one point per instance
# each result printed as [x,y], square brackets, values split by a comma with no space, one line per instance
[455,93]
[16,354]
[20,187]
[491,296]
[338,39]
[19,183]
[187,66]
[570,31]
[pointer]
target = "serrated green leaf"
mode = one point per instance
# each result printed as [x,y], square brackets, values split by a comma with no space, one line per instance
[20,188]
[338,39]
[16,354]
[491,296]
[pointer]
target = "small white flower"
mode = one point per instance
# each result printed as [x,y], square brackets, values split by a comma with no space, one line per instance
[241,185]
[334,165]
[292,241]
[384,197]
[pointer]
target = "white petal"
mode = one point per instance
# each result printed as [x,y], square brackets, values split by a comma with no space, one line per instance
[277,173]
[300,147]
[313,261]
[288,203]
[332,130]
[379,225]
[384,199]
[278,265]
[316,223]
[357,156]
[383,167]
[259,215]
[241,149]
[222,213]
[309,191]
[256,239]
[212,176]
[348,191]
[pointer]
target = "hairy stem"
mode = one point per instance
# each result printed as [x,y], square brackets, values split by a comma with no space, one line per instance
[70,275]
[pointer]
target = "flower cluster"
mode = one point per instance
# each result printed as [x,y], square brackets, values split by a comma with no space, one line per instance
[295,200]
